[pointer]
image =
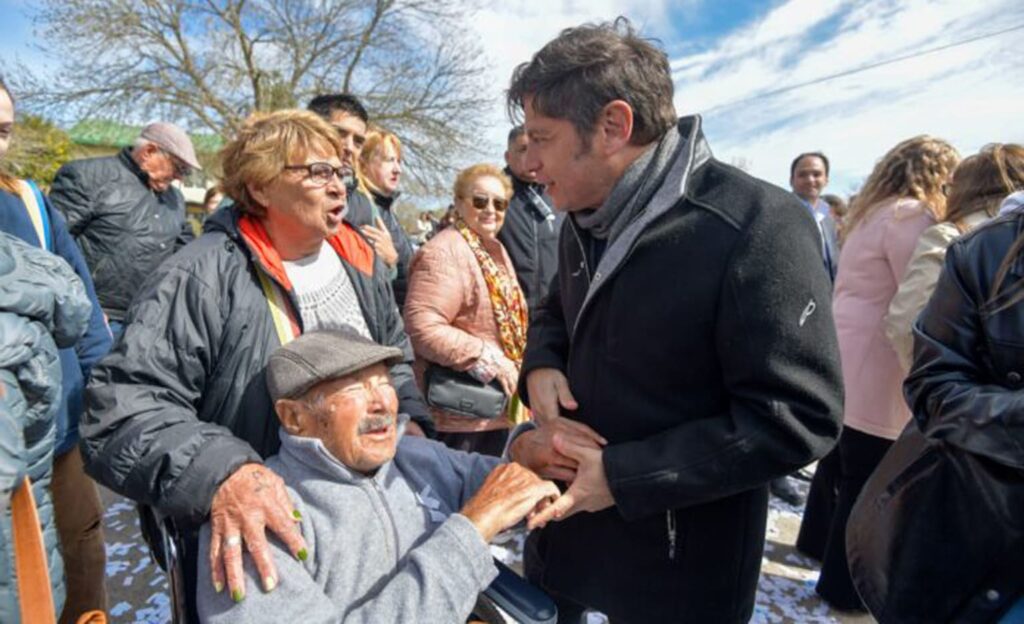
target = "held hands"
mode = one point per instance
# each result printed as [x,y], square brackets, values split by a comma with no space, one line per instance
[537,450]
[252,500]
[549,393]
[380,239]
[589,491]
[509,494]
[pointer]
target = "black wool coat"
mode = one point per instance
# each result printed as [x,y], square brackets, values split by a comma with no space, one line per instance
[703,348]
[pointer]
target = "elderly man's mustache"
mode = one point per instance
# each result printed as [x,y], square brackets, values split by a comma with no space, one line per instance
[375,421]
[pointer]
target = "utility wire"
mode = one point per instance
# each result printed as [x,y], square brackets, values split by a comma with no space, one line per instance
[862,68]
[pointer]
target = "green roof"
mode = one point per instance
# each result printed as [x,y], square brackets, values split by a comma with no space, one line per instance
[104,133]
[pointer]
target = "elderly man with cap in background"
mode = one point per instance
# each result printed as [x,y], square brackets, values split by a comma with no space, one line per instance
[396,526]
[124,212]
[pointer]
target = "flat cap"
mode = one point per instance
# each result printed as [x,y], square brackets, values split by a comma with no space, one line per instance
[321,356]
[173,140]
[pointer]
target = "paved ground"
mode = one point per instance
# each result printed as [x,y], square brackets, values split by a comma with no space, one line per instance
[138,590]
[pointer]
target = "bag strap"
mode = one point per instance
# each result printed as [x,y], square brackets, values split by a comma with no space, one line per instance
[34,596]
[278,304]
[32,197]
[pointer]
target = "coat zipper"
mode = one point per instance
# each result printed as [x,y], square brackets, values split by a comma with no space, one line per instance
[670,522]
[391,518]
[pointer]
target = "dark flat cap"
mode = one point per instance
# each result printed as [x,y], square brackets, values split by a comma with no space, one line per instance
[321,356]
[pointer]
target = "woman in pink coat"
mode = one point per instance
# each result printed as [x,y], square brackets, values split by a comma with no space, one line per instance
[902,197]
[464,309]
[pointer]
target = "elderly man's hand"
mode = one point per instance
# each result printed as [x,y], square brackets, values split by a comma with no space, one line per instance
[508,495]
[549,393]
[252,500]
[380,239]
[537,451]
[588,492]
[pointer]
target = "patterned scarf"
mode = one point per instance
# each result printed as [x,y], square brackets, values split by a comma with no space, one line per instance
[506,297]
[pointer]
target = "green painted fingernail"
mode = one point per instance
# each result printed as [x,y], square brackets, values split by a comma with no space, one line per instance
[269,583]
[303,555]
[237,595]
[297,514]
[218,587]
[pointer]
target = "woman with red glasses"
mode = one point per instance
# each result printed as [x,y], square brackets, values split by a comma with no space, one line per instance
[465,311]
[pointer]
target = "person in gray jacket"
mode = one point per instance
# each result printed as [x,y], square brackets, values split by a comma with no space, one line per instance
[43,307]
[396,526]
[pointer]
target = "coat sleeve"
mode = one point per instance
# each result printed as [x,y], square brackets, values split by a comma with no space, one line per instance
[436,295]
[951,394]
[72,196]
[97,339]
[141,436]
[914,290]
[437,581]
[779,358]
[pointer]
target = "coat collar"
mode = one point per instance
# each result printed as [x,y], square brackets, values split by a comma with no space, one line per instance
[313,455]
[348,243]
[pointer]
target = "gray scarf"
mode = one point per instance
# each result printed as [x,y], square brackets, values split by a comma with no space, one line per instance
[633,191]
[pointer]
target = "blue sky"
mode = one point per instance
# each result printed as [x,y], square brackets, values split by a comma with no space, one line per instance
[724,53]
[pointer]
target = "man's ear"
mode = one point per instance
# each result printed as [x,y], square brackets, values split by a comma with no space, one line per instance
[615,124]
[291,412]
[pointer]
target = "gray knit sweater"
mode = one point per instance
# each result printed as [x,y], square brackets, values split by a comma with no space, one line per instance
[386,548]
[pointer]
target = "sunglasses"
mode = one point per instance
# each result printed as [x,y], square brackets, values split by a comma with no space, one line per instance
[480,203]
[321,173]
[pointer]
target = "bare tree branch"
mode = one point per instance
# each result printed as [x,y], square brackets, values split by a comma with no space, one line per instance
[207,64]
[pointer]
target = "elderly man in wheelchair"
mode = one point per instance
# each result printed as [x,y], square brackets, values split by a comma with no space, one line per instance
[396,527]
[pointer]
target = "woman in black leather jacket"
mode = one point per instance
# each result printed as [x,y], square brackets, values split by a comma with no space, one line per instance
[966,390]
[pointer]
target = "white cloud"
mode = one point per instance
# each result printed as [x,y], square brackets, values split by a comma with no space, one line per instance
[969,95]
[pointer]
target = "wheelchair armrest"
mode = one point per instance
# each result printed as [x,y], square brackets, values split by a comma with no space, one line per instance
[520,599]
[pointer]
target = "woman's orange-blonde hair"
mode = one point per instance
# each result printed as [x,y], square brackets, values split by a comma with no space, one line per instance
[377,140]
[265,145]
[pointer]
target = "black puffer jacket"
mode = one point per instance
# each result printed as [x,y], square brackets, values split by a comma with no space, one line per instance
[702,347]
[182,401]
[125,229]
[530,235]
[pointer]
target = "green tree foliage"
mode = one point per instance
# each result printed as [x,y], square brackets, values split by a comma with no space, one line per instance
[38,150]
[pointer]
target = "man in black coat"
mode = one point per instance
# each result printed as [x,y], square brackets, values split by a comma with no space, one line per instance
[685,357]
[530,233]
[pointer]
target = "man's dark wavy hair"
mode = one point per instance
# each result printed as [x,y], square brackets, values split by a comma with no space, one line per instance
[576,74]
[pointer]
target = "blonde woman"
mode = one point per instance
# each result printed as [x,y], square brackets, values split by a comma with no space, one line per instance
[901,198]
[380,170]
[465,308]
